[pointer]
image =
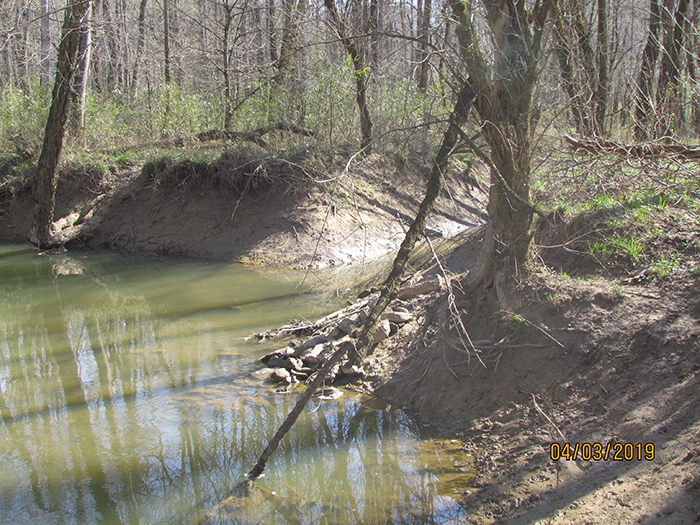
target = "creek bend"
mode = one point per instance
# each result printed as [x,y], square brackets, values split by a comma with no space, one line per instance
[126,397]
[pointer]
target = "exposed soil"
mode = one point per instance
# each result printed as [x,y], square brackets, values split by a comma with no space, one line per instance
[267,214]
[565,360]
[611,359]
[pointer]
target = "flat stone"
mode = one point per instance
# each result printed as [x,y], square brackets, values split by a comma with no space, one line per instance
[314,356]
[397,317]
[353,371]
[281,375]
[328,393]
[292,363]
[423,287]
[312,342]
[282,352]
[262,374]
[383,331]
[347,326]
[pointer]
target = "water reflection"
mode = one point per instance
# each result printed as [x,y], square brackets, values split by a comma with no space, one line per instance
[125,397]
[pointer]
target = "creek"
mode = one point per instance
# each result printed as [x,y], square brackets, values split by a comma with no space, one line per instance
[126,397]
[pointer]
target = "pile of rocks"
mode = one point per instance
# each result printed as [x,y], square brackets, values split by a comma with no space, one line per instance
[301,359]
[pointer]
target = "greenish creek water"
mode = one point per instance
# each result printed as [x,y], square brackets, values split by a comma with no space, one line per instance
[126,397]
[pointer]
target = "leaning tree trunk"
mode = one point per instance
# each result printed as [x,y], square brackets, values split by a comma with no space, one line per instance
[391,284]
[45,189]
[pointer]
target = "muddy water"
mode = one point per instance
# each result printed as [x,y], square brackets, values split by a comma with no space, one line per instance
[126,397]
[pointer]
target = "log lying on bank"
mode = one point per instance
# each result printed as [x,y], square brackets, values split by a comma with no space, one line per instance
[254,136]
[599,146]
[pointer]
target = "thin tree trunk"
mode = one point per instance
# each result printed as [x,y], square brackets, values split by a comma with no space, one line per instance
[166,42]
[391,284]
[361,75]
[271,31]
[603,61]
[45,189]
[668,91]
[45,65]
[650,56]
[424,66]
[81,76]
[228,19]
[139,46]
[563,52]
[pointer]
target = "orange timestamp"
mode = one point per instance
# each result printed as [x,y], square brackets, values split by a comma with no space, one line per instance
[599,451]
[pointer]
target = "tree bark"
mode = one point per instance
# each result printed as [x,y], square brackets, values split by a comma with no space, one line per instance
[45,189]
[139,46]
[166,42]
[668,89]
[562,50]
[423,57]
[504,98]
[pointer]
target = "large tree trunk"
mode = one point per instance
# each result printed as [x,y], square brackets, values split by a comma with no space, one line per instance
[45,189]
[504,98]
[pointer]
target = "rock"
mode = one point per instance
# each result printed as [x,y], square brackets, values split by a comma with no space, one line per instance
[312,342]
[275,361]
[397,317]
[362,315]
[281,375]
[347,326]
[383,331]
[328,393]
[262,374]
[314,356]
[281,353]
[423,287]
[352,371]
[292,363]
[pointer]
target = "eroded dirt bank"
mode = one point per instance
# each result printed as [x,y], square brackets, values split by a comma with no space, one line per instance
[247,210]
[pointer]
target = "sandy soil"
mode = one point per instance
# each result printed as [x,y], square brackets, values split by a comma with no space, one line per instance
[355,215]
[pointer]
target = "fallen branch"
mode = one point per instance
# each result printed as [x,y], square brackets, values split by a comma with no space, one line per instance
[254,136]
[599,145]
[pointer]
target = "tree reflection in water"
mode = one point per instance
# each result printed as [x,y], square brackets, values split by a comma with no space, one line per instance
[117,408]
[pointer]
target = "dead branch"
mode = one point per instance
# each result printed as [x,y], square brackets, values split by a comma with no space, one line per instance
[254,136]
[598,145]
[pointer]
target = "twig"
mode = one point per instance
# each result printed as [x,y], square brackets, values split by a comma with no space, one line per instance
[561,434]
